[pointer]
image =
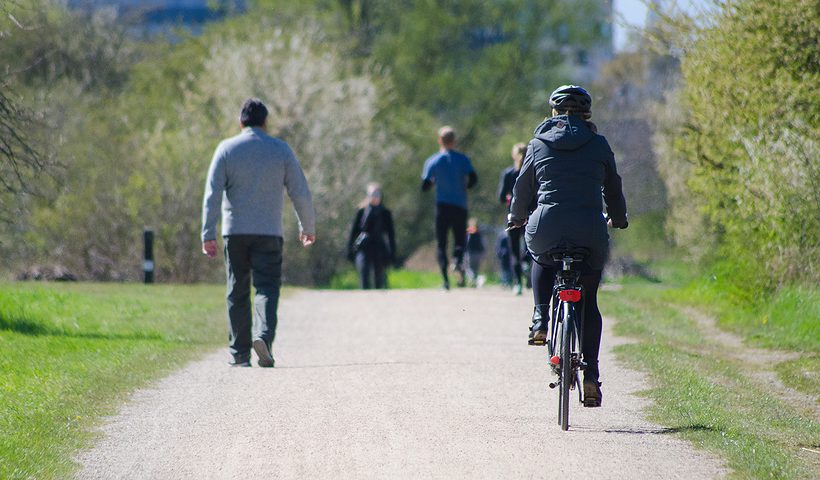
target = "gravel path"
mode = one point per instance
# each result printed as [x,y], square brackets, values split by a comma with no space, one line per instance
[398,384]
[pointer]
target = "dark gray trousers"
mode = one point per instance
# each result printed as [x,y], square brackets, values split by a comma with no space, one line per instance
[257,259]
[367,262]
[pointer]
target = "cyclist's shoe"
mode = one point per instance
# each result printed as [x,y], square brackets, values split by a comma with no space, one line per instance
[592,393]
[538,331]
[537,338]
[446,285]
[263,352]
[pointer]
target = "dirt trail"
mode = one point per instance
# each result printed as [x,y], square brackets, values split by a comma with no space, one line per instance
[399,384]
[757,363]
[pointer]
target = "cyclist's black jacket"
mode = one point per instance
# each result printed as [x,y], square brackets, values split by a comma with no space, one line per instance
[566,169]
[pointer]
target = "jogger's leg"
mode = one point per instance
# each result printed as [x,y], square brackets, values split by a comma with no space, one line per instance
[459,225]
[441,240]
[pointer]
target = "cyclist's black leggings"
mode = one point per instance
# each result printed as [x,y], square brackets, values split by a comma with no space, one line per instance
[455,218]
[543,279]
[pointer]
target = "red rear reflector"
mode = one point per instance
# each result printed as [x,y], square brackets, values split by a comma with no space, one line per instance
[570,295]
[555,360]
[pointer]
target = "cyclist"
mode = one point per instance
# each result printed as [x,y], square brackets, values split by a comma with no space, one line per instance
[453,174]
[566,168]
[505,190]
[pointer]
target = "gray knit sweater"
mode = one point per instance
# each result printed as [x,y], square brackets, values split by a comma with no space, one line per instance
[247,179]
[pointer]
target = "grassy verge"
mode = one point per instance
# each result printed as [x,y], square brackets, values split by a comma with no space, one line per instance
[401,278]
[709,398]
[72,351]
[790,320]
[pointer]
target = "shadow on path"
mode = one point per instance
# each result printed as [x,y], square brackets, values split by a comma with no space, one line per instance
[642,430]
[25,326]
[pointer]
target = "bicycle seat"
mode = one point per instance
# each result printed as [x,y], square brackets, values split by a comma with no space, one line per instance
[577,254]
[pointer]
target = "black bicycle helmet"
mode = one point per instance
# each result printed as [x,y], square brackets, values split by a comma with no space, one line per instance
[571,98]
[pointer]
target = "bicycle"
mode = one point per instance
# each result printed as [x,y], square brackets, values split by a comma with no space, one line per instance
[566,329]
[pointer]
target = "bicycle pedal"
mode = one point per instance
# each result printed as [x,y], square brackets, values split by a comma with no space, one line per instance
[536,343]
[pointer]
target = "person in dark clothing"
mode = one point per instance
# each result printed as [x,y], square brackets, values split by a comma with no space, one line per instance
[566,168]
[505,191]
[452,174]
[372,242]
[502,253]
[475,252]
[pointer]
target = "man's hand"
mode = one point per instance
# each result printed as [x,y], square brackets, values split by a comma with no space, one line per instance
[307,239]
[209,248]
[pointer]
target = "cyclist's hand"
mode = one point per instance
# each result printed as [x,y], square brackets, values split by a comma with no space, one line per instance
[513,223]
[307,239]
[611,225]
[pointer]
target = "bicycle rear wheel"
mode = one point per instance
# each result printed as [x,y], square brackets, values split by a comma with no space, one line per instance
[567,377]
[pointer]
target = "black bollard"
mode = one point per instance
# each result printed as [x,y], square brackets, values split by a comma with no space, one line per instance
[148,262]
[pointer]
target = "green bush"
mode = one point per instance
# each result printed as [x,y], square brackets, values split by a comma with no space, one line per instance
[748,142]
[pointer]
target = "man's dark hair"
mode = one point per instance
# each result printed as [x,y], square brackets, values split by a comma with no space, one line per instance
[254,113]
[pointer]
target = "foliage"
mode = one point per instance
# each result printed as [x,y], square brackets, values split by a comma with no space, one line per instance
[135,123]
[749,141]
[483,67]
[71,353]
[60,69]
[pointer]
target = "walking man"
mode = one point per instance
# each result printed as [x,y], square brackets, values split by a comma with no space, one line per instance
[247,179]
[452,173]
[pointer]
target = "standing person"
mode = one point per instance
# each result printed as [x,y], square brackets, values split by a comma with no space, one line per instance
[247,179]
[502,252]
[474,251]
[372,242]
[566,168]
[452,174]
[505,194]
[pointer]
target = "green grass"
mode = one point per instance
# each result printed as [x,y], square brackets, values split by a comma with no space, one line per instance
[397,279]
[789,320]
[709,398]
[802,374]
[72,351]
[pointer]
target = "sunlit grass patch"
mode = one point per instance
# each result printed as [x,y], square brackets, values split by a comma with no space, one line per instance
[396,278]
[72,351]
[703,393]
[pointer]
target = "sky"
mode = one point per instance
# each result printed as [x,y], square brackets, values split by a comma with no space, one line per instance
[633,12]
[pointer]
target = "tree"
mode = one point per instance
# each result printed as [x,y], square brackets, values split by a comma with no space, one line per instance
[749,134]
[20,158]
